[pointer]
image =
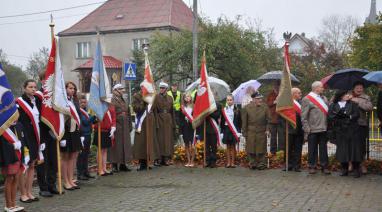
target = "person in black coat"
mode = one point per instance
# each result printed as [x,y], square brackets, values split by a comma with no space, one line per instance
[212,136]
[295,135]
[29,108]
[186,130]
[11,162]
[231,134]
[343,116]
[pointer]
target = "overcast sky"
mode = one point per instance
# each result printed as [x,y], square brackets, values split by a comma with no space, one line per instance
[20,40]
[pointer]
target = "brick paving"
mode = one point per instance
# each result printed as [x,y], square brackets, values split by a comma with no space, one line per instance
[196,189]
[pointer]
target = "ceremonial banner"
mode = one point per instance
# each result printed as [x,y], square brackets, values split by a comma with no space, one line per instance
[148,86]
[8,108]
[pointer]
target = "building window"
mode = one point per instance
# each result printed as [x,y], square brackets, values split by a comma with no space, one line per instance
[83,50]
[137,43]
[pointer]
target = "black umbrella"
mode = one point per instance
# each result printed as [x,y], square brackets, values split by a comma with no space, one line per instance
[272,76]
[344,79]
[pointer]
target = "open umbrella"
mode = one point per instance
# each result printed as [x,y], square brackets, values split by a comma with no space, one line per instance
[272,76]
[241,91]
[375,76]
[344,79]
[325,80]
[218,87]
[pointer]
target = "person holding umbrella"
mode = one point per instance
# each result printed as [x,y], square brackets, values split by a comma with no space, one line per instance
[343,116]
[365,106]
[314,113]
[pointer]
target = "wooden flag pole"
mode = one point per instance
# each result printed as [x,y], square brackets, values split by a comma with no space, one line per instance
[204,145]
[99,149]
[286,146]
[147,143]
[51,25]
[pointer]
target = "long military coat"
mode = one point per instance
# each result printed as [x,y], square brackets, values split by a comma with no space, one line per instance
[147,133]
[255,121]
[121,151]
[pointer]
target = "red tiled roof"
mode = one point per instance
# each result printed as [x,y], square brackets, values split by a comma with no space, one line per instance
[109,61]
[124,15]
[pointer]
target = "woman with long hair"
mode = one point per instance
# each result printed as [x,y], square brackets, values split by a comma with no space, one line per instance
[71,142]
[29,110]
[342,117]
[186,130]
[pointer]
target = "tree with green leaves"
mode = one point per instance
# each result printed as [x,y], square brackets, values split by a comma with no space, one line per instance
[37,63]
[14,73]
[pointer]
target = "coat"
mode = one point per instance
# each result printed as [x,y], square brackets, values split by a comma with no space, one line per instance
[365,105]
[164,110]
[147,133]
[121,151]
[345,131]
[228,137]
[313,119]
[255,123]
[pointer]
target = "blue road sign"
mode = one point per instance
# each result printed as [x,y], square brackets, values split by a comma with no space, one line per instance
[130,71]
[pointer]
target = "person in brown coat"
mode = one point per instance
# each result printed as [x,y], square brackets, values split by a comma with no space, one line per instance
[120,153]
[145,125]
[163,108]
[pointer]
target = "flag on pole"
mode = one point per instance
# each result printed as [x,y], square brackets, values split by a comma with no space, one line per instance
[205,102]
[99,87]
[148,85]
[8,109]
[285,105]
[54,101]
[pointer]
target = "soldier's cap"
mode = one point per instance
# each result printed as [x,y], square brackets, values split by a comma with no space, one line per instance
[118,86]
[163,85]
[257,95]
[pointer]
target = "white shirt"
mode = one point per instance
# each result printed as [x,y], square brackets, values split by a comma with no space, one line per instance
[342,104]
[35,112]
[230,113]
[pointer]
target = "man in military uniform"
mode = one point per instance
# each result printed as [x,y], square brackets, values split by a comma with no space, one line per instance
[163,108]
[255,120]
[145,133]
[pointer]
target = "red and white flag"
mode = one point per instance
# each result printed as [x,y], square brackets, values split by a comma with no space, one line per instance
[205,103]
[148,86]
[55,101]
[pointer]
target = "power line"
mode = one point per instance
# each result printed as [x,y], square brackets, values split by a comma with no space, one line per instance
[43,19]
[49,11]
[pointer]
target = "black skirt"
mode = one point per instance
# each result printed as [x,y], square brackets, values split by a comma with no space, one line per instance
[105,139]
[7,153]
[188,133]
[73,142]
[228,137]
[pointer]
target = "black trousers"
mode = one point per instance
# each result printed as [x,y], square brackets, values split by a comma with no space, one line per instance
[363,133]
[295,143]
[277,137]
[317,142]
[211,148]
[83,157]
[47,171]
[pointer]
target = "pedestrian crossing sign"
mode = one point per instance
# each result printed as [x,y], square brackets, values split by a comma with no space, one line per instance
[130,71]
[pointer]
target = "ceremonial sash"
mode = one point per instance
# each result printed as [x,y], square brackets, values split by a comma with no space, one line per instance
[231,126]
[39,95]
[140,118]
[297,106]
[28,110]
[215,126]
[74,113]
[84,113]
[319,102]
[188,116]
[11,138]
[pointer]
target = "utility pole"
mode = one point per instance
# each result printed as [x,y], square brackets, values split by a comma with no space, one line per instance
[195,40]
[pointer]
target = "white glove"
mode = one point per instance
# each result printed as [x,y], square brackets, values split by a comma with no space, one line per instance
[40,155]
[26,159]
[239,134]
[82,141]
[112,132]
[42,147]
[221,136]
[17,145]
[63,143]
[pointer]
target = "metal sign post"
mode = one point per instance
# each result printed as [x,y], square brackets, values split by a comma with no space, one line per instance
[129,74]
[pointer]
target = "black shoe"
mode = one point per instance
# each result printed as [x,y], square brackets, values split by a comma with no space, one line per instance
[82,177]
[289,169]
[26,201]
[142,168]
[297,169]
[344,173]
[213,165]
[69,189]
[124,168]
[54,191]
[357,174]
[88,175]
[45,194]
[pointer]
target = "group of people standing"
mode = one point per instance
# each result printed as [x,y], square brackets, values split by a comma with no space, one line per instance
[157,126]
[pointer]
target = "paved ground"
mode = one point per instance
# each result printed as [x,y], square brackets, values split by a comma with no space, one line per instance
[183,189]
